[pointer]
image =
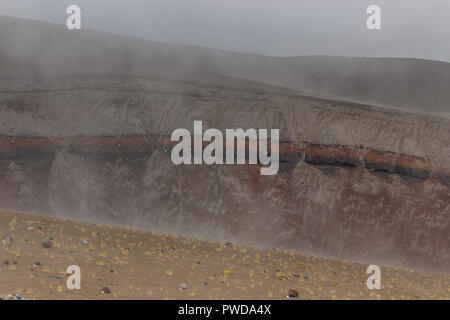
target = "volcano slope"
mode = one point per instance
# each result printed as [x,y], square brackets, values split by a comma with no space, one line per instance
[356,182]
[37,48]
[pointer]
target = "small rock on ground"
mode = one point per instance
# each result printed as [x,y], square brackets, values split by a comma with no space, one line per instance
[12,297]
[7,241]
[106,290]
[292,293]
[46,244]
[228,244]
[183,286]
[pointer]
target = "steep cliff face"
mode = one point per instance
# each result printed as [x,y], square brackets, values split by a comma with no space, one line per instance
[116,105]
[355,182]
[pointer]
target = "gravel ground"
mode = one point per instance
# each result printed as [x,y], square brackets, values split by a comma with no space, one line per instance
[129,264]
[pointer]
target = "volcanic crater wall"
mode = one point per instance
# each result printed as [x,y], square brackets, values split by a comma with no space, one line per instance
[355,182]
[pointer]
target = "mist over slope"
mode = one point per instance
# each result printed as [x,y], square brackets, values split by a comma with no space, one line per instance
[84,115]
[40,48]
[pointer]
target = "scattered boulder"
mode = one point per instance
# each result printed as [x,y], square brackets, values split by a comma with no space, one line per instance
[7,241]
[292,294]
[84,243]
[46,244]
[15,296]
[6,263]
[106,290]
[183,286]
[37,264]
[228,244]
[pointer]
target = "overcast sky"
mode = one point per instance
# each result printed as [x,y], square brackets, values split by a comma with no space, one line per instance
[410,28]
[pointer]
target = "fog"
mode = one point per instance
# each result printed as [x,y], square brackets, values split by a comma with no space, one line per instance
[410,28]
[86,116]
